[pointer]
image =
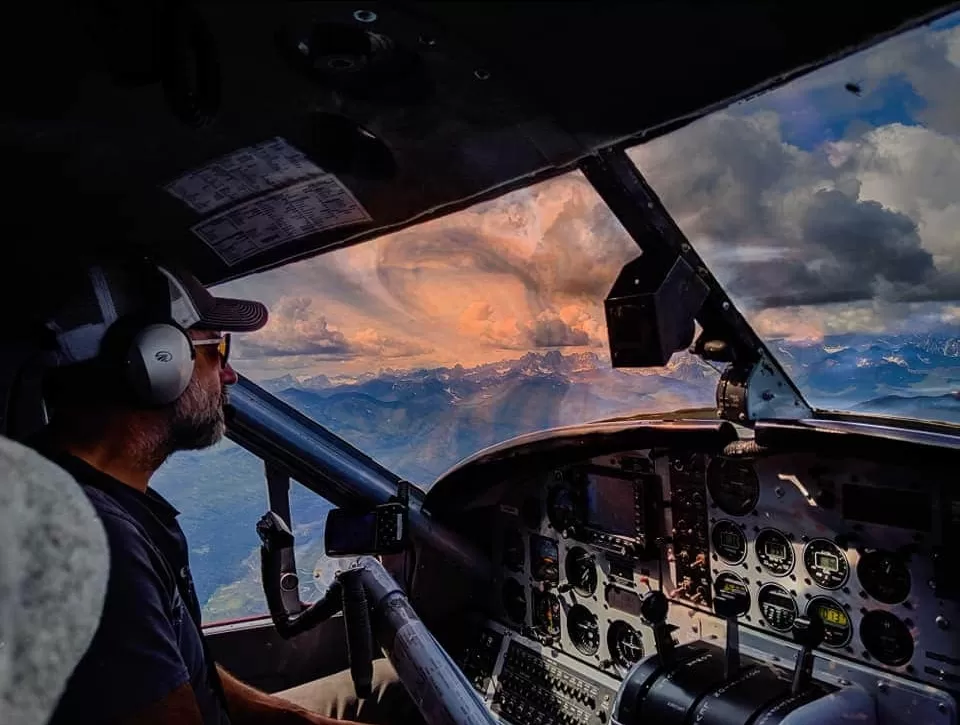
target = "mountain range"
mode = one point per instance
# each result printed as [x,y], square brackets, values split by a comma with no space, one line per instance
[420,422]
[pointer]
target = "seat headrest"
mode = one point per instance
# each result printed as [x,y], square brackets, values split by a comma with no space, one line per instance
[54,563]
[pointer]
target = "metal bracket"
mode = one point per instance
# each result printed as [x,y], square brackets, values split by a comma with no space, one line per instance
[761,391]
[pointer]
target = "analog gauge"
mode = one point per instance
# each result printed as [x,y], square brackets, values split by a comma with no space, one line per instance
[624,643]
[513,555]
[581,571]
[563,509]
[774,552]
[777,606]
[730,587]
[836,622]
[733,485]
[514,599]
[546,613]
[826,563]
[886,637]
[729,543]
[544,558]
[583,629]
[884,576]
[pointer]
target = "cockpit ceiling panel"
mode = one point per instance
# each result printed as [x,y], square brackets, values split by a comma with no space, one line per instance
[417,108]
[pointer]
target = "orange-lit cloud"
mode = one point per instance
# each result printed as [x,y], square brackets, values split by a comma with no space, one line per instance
[525,272]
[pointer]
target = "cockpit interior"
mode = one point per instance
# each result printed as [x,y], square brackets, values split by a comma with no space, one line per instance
[755,561]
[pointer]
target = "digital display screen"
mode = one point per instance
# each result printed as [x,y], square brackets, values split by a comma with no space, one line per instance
[832,615]
[610,505]
[730,539]
[731,586]
[827,562]
[350,533]
[776,550]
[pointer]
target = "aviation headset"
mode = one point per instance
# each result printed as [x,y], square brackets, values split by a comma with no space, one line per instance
[140,340]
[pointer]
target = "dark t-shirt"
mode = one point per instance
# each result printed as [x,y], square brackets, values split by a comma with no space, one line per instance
[148,642]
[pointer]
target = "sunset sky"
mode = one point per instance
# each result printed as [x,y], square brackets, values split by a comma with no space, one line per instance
[820,211]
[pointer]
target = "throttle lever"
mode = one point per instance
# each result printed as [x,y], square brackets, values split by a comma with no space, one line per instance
[730,605]
[808,632]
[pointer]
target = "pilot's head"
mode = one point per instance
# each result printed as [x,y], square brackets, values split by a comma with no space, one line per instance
[140,351]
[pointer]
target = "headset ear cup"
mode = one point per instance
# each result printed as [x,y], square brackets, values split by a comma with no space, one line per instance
[159,363]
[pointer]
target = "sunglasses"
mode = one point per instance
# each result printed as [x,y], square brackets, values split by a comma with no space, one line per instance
[223,347]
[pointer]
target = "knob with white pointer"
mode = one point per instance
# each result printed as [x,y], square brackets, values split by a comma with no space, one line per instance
[808,632]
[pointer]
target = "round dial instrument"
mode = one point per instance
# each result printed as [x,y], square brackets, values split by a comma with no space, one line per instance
[886,637]
[514,600]
[513,550]
[584,630]
[563,508]
[826,563]
[727,584]
[624,643]
[581,571]
[836,622]
[733,485]
[729,543]
[777,606]
[774,552]
[546,613]
[884,576]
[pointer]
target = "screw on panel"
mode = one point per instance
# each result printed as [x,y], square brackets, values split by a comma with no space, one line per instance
[725,305]
[481,74]
[942,708]
[942,622]
[364,16]
[881,686]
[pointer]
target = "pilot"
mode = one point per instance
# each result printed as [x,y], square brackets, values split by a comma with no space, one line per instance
[137,370]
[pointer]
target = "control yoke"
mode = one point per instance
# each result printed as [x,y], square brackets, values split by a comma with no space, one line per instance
[372,601]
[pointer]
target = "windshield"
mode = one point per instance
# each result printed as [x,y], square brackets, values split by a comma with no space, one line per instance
[423,347]
[829,209]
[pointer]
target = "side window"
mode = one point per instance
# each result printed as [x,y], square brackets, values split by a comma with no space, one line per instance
[221,493]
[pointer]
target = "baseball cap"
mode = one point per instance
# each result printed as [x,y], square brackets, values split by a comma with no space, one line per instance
[109,291]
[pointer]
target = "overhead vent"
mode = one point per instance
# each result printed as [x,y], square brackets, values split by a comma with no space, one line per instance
[356,62]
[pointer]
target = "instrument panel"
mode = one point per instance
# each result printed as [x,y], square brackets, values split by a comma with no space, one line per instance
[788,535]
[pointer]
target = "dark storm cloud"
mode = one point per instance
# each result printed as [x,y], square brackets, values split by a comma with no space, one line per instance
[851,250]
[554,333]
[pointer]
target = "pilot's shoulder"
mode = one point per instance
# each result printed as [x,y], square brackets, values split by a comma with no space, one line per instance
[130,544]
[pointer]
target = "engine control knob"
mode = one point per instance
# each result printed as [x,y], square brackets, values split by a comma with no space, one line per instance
[731,605]
[808,632]
[654,606]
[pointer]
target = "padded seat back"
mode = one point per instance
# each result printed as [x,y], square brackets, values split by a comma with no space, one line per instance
[54,563]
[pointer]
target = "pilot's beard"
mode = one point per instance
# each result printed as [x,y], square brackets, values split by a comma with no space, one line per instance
[197,418]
